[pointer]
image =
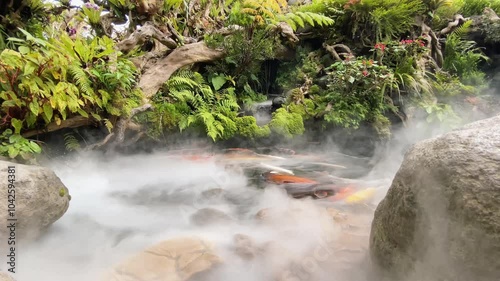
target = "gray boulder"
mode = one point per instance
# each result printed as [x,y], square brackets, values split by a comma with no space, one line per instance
[40,198]
[440,219]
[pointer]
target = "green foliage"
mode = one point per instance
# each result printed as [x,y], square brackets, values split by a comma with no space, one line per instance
[71,142]
[357,92]
[405,59]
[245,54]
[301,19]
[380,20]
[214,111]
[248,128]
[462,57]
[14,146]
[286,123]
[476,7]
[28,15]
[262,13]
[189,102]
[441,11]
[441,113]
[50,80]
[306,64]
[445,84]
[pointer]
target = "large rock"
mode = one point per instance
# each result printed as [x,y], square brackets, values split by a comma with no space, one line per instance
[440,219]
[171,260]
[40,198]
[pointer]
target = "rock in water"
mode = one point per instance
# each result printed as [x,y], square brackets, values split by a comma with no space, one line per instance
[39,200]
[208,216]
[440,219]
[171,260]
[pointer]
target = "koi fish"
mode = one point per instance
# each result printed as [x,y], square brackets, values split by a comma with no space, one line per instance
[361,196]
[197,157]
[275,168]
[329,165]
[282,179]
[343,193]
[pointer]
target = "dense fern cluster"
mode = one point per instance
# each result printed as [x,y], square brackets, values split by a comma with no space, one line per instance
[49,81]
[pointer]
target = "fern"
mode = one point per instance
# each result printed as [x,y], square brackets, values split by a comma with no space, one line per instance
[299,19]
[462,57]
[212,110]
[71,142]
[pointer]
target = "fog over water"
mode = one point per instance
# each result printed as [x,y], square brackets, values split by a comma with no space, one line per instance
[123,204]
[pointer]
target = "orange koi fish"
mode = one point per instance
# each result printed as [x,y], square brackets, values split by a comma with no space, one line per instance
[282,179]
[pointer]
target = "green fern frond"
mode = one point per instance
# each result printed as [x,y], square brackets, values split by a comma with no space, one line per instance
[306,17]
[462,30]
[298,18]
[71,142]
[81,79]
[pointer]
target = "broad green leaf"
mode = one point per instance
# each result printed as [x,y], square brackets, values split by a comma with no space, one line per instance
[13,152]
[48,111]
[15,138]
[30,119]
[34,107]
[34,147]
[83,113]
[24,50]
[17,124]
[9,103]
[218,82]
[96,116]
[29,68]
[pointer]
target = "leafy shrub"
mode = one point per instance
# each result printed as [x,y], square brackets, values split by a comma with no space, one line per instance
[14,145]
[51,80]
[356,92]
[476,7]
[286,123]
[380,20]
[462,58]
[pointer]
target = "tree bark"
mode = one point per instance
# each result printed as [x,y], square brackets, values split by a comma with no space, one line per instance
[154,77]
[72,122]
[142,35]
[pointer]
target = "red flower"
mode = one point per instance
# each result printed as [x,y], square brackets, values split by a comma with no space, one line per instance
[365,72]
[380,46]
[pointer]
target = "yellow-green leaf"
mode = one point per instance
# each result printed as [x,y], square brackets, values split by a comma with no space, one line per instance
[48,111]
[17,124]
[34,106]
[83,113]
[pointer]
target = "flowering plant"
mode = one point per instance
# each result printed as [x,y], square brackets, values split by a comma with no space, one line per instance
[356,91]
[394,53]
[92,12]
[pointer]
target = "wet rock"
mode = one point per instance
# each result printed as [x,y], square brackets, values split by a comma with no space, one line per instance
[337,215]
[39,200]
[440,219]
[262,214]
[214,193]
[172,260]
[208,216]
[245,247]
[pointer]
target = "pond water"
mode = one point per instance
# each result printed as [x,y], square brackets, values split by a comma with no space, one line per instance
[123,204]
